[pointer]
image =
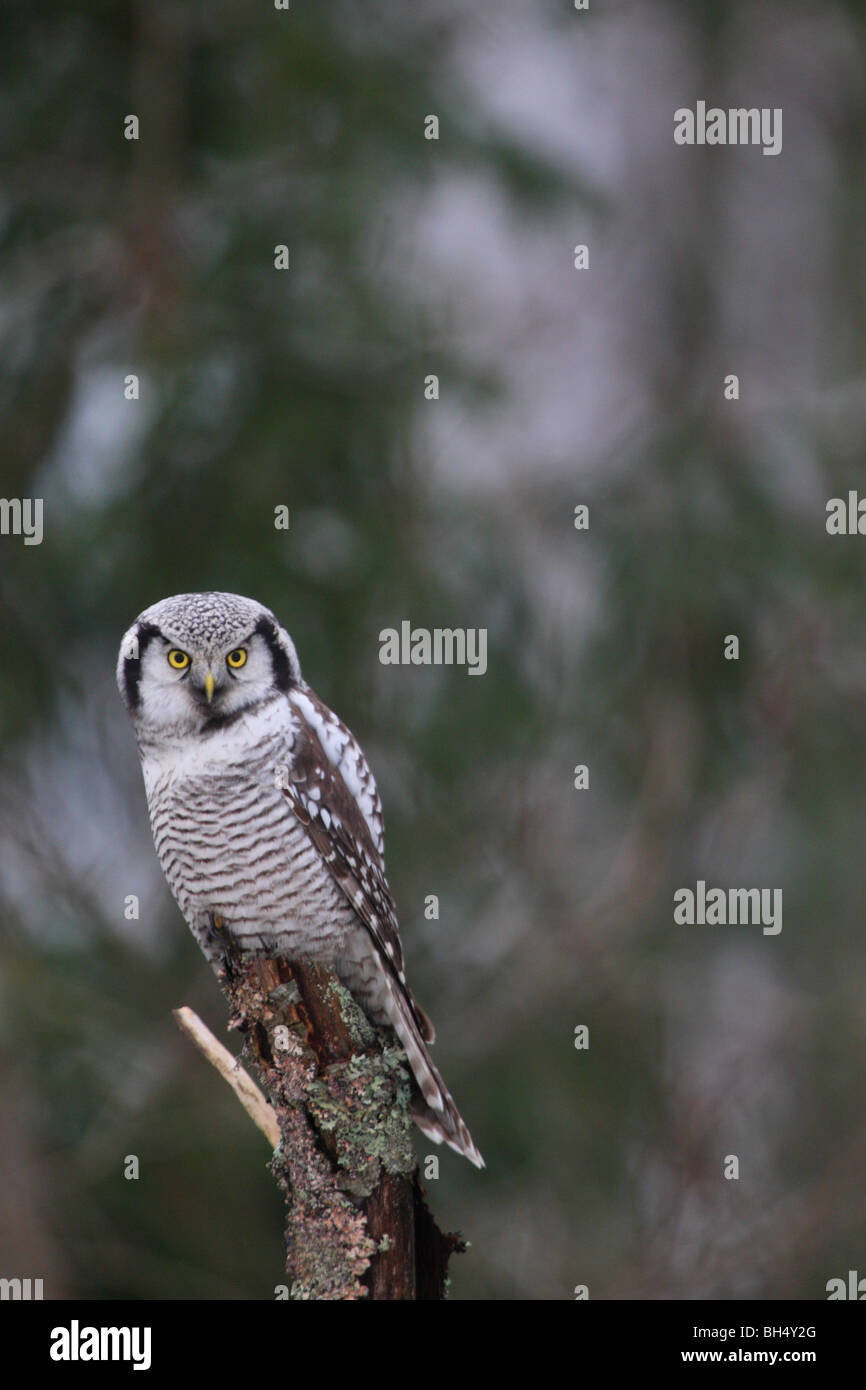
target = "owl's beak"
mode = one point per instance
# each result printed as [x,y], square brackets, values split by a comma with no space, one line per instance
[209,684]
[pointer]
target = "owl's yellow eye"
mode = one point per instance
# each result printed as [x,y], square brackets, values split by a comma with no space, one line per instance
[178,659]
[237,658]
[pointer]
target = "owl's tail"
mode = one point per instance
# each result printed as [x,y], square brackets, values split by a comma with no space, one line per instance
[433,1110]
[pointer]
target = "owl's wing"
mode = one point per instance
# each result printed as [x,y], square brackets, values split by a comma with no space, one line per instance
[333,793]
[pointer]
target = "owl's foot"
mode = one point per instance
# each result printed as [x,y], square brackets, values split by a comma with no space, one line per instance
[220,947]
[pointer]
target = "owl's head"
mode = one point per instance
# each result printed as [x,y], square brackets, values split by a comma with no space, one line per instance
[198,659]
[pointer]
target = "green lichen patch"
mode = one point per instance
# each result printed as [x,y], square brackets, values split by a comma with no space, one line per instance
[363,1033]
[362,1106]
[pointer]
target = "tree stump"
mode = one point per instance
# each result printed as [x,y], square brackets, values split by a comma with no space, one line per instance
[357,1223]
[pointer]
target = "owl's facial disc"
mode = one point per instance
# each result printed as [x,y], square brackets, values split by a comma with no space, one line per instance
[195,660]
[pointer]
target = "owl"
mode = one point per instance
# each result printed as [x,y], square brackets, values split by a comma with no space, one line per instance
[266,817]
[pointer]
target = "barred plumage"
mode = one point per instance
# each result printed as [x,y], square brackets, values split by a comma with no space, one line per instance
[265,813]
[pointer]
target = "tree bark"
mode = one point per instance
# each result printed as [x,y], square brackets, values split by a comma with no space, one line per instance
[357,1223]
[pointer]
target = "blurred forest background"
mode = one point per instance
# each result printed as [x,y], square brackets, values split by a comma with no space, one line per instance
[305,388]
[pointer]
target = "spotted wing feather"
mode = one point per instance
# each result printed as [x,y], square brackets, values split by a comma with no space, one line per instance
[347,828]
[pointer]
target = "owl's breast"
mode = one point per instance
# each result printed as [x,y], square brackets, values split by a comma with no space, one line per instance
[230,844]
